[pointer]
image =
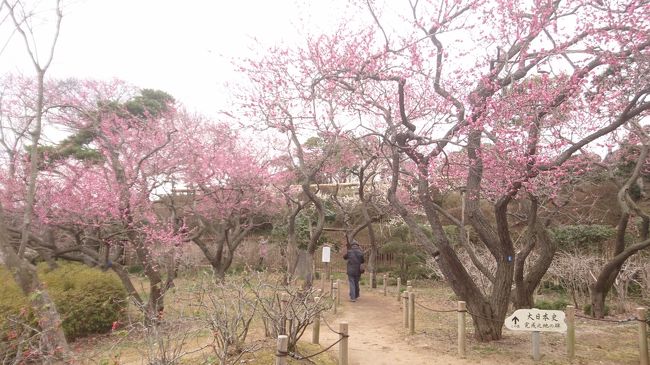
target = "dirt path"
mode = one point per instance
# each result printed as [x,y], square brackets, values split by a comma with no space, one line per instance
[377,335]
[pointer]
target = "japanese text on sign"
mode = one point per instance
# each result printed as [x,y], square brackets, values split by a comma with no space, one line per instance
[536,320]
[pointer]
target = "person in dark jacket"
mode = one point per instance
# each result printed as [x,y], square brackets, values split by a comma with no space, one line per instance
[354,256]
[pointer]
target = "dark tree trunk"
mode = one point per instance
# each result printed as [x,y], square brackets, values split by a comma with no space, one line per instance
[608,273]
[364,179]
[128,284]
[598,303]
[292,244]
[220,249]
[372,266]
[372,258]
[487,315]
[221,266]
[315,233]
[527,283]
[156,303]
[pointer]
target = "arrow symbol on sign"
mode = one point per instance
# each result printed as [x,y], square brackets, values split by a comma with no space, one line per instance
[515,320]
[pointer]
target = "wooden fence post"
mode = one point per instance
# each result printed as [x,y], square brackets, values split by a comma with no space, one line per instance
[343,345]
[399,288]
[338,291]
[284,303]
[385,285]
[334,296]
[643,335]
[411,313]
[570,332]
[315,333]
[409,289]
[462,341]
[281,353]
[328,270]
[536,340]
[405,308]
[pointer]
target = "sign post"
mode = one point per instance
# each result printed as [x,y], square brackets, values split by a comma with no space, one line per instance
[536,321]
[536,340]
[325,258]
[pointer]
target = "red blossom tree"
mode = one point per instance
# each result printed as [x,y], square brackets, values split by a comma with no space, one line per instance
[229,191]
[97,186]
[281,100]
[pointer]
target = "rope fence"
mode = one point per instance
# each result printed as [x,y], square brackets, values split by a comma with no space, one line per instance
[435,310]
[616,321]
[307,357]
[282,353]
[409,303]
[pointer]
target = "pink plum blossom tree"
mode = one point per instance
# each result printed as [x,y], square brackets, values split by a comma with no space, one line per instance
[513,86]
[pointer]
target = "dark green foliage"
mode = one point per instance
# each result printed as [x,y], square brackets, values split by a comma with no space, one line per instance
[410,257]
[635,289]
[635,192]
[550,287]
[581,237]
[150,103]
[558,304]
[135,269]
[88,300]
[452,233]
[587,309]
[400,233]
[314,142]
[279,233]
[75,146]
[411,260]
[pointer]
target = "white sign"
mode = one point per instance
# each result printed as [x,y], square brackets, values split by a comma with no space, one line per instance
[326,254]
[537,320]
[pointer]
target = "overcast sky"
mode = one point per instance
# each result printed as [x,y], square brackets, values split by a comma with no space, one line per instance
[181,47]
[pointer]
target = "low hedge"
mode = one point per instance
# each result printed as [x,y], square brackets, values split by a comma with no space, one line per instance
[558,304]
[88,300]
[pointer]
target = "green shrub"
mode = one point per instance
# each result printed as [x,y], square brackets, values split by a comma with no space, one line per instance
[411,262]
[587,309]
[635,289]
[135,269]
[550,287]
[581,237]
[559,304]
[88,300]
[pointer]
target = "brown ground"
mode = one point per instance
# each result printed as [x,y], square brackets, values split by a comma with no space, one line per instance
[377,336]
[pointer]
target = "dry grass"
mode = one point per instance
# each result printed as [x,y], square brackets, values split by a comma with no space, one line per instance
[129,345]
[597,342]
